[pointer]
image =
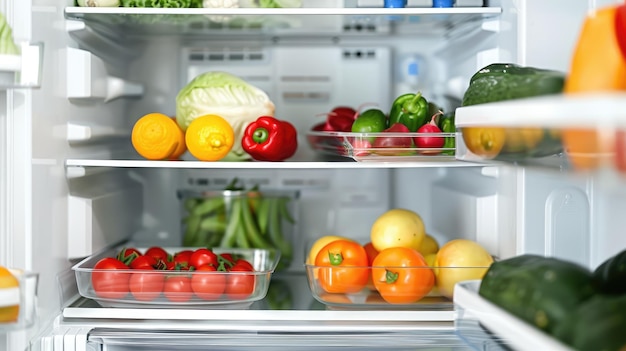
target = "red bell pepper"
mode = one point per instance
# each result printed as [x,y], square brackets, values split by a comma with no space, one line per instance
[270,139]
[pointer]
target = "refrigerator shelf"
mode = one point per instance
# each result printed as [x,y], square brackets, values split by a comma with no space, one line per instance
[83,164]
[518,334]
[22,71]
[319,17]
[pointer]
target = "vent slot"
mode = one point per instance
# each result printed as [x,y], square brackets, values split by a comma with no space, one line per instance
[202,55]
[359,54]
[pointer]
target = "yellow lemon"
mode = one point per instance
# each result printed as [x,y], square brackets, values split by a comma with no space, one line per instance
[428,246]
[397,227]
[460,260]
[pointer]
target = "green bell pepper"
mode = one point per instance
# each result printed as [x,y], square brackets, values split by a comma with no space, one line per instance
[445,122]
[409,109]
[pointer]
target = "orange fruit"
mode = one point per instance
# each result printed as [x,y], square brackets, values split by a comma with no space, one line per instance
[9,285]
[182,147]
[156,136]
[209,138]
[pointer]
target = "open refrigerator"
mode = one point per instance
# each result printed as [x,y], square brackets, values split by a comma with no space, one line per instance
[73,186]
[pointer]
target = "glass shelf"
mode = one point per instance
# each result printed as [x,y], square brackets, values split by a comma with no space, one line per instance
[284,21]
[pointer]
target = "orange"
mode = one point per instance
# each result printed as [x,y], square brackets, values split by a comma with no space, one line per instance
[8,282]
[209,138]
[156,136]
[182,147]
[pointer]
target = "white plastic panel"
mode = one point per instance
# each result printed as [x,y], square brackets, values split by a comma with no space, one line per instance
[100,215]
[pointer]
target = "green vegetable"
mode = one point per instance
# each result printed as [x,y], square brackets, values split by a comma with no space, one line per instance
[445,122]
[162,3]
[7,45]
[597,325]
[98,3]
[540,291]
[611,275]
[370,121]
[239,218]
[505,81]
[225,95]
[410,110]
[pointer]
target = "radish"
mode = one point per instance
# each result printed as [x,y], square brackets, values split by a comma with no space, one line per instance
[427,141]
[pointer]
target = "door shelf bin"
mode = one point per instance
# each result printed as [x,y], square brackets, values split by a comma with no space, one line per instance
[18,305]
[22,71]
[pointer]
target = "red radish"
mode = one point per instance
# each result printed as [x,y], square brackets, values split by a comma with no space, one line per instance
[620,28]
[429,142]
[361,147]
[395,142]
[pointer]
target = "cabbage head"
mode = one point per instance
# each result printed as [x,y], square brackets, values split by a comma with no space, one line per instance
[225,95]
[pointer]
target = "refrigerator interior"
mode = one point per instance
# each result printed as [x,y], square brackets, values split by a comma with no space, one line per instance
[74,185]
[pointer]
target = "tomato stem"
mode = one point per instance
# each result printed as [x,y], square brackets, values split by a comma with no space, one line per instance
[335,258]
[390,277]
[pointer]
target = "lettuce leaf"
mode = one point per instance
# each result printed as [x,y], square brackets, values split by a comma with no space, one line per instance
[7,45]
[162,3]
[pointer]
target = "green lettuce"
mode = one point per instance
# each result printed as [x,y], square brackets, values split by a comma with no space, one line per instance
[7,45]
[225,95]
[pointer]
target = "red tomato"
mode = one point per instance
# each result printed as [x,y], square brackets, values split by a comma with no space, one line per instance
[178,288]
[401,275]
[126,255]
[143,262]
[239,285]
[207,283]
[158,254]
[203,257]
[371,252]
[146,286]
[182,258]
[244,264]
[106,282]
[342,267]
[227,257]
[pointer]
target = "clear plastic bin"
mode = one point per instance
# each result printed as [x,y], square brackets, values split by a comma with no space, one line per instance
[362,146]
[119,293]
[265,219]
[581,132]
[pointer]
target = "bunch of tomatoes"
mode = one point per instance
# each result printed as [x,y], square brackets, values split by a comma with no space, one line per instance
[399,274]
[200,274]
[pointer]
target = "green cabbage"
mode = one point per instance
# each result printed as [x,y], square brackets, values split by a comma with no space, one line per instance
[7,45]
[162,3]
[230,97]
[271,3]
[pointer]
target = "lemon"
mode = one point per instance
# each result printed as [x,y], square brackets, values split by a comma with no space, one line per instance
[460,260]
[428,246]
[319,244]
[397,227]
[430,259]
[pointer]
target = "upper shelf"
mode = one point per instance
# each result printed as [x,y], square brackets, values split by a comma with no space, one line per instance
[284,21]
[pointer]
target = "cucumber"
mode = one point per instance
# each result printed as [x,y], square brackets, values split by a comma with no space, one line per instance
[506,81]
[539,290]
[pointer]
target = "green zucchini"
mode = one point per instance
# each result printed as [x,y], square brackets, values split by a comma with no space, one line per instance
[539,290]
[599,324]
[611,275]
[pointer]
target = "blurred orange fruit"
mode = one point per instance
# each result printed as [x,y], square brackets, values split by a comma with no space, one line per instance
[209,138]
[156,136]
[182,147]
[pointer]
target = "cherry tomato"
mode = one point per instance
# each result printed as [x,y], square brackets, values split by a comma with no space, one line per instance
[207,283]
[146,286]
[342,267]
[128,254]
[239,285]
[182,257]
[158,254]
[227,257]
[203,257]
[143,262]
[246,265]
[401,275]
[178,288]
[106,282]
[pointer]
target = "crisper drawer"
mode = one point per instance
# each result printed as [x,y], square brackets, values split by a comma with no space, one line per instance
[427,339]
